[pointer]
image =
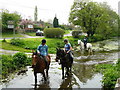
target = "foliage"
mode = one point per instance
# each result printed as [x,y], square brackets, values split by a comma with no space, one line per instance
[76,33]
[12,63]
[20,59]
[53,32]
[8,46]
[7,65]
[17,42]
[67,27]
[36,27]
[10,34]
[4,40]
[6,16]
[94,18]
[110,74]
[55,22]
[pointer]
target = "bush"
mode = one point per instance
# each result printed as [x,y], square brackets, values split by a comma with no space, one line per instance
[17,42]
[110,74]
[53,32]
[76,33]
[20,59]
[7,65]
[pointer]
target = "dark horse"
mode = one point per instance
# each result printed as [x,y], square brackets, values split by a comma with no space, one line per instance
[40,65]
[65,61]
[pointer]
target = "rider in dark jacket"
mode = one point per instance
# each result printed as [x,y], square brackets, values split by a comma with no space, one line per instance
[85,40]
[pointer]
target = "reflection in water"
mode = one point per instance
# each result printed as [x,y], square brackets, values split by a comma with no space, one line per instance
[84,66]
[43,85]
[83,72]
[67,83]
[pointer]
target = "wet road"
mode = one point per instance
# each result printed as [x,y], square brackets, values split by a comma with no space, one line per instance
[83,74]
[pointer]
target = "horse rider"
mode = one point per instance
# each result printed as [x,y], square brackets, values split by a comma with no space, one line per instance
[85,40]
[42,50]
[68,49]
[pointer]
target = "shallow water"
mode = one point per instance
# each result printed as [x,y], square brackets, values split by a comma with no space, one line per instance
[83,74]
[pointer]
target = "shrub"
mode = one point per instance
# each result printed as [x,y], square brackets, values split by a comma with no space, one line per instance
[110,74]
[20,59]
[53,32]
[4,40]
[76,33]
[7,65]
[17,42]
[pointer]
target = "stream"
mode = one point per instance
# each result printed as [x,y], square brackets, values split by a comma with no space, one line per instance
[83,74]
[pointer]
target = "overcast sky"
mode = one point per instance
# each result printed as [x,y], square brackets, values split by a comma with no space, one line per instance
[46,8]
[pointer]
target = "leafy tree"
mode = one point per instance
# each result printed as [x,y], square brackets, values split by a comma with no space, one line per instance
[55,22]
[6,16]
[93,18]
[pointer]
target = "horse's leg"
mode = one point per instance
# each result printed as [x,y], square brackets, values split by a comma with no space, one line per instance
[67,71]
[35,74]
[91,51]
[44,76]
[47,70]
[62,72]
[71,68]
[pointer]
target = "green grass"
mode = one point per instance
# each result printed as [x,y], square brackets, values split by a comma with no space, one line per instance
[10,34]
[32,44]
[67,31]
[8,46]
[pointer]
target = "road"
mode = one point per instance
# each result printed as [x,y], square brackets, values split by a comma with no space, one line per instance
[27,36]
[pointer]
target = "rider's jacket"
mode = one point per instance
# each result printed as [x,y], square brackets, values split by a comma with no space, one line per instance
[67,47]
[43,49]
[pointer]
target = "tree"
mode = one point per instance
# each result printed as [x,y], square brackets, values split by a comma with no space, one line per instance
[35,14]
[55,22]
[93,17]
[6,16]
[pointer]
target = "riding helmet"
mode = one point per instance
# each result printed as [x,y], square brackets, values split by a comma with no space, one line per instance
[65,40]
[43,41]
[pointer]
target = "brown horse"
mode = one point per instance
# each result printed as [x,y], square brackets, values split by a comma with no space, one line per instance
[40,65]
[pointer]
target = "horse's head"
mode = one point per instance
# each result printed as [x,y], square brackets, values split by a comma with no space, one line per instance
[34,56]
[79,42]
[59,54]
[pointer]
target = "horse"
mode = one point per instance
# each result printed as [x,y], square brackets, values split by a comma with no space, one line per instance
[65,61]
[40,65]
[88,47]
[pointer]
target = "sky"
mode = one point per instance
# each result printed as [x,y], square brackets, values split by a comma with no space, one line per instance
[47,9]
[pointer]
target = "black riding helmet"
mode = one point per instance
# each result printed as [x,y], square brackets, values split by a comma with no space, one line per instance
[65,40]
[43,41]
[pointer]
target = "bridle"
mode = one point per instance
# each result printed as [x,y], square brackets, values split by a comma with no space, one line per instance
[60,54]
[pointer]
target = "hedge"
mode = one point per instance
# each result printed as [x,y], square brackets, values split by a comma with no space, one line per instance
[76,33]
[53,32]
